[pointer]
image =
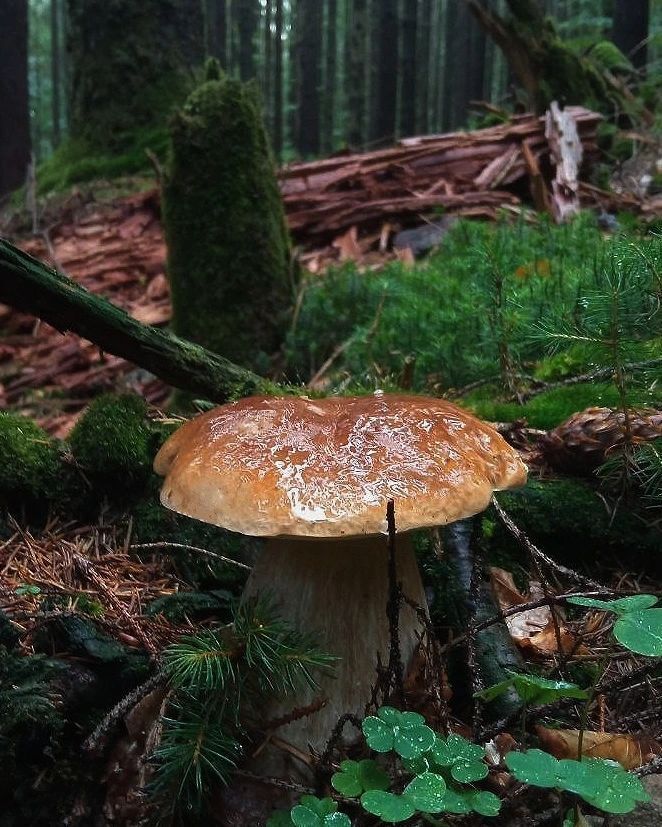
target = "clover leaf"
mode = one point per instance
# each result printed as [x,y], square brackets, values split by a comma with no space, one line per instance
[621,606]
[464,758]
[281,818]
[426,792]
[641,631]
[357,777]
[389,807]
[404,732]
[317,812]
[533,767]
[485,803]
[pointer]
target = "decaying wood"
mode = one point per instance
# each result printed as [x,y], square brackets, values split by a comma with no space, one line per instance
[31,287]
[566,150]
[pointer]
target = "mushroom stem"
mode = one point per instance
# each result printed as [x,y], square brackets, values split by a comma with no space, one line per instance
[336,590]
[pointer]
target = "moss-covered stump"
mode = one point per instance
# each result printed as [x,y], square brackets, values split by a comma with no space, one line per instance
[228,248]
[29,460]
[114,446]
[130,63]
[569,521]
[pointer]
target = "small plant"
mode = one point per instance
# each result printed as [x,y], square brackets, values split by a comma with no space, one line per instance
[220,679]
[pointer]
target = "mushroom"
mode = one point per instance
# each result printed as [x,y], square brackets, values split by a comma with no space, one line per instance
[314,478]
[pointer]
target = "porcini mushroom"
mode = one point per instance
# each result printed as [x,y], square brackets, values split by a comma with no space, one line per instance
[314,477]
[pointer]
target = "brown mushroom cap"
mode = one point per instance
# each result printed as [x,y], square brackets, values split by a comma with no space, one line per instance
[296,467]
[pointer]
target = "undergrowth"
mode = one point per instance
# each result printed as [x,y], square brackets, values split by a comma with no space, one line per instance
[466,314]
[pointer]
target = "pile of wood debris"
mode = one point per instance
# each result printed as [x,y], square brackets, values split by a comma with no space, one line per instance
[350,206]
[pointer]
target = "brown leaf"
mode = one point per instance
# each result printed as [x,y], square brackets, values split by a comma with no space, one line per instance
[631,751]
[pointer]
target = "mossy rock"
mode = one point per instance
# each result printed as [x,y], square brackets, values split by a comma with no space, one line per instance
[29,462]
[568,520]
[228,246]
[113,445]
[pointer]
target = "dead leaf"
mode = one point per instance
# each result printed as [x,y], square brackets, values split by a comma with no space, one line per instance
[631,751]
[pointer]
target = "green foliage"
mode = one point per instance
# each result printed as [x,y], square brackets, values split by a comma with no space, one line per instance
[30,461]
[220,677]
[358,777]
[113,444]
[404,732]
[604,784]
[533,689]
[638,626]
[228,255]
[311,812]
[466,314]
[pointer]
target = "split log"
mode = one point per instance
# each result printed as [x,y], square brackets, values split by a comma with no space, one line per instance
[31,287]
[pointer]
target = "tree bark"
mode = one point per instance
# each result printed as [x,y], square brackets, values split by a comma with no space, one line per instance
[308,42]
[247,22]
[387,72]
[55,71]
[408,68]
[630,29]
[423,82]
[217,30]
[31,287]
[15,119]
[278,81]
[357,28]
[330,76]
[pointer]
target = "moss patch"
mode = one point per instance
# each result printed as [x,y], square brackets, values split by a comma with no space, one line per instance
[113,444]
[228,249]
[30,460]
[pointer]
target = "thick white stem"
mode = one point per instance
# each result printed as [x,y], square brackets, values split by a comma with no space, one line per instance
[336,590]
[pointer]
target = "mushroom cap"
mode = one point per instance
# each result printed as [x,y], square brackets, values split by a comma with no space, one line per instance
[296,467]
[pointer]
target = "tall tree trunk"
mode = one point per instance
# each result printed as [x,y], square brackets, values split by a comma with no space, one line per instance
[278,81]
[55,70]
[423,83]
[247,24]
[15,120]
[465,46]
[387,71]
[330,76]
[355,76]
[308,42]
[408,68]
[267,68]
[217,34]
[630,29]
[130,62]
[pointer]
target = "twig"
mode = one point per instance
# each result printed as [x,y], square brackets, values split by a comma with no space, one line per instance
[97,740]
[336,734]
[184,547]
[593,376]
[395,670]
[534,551]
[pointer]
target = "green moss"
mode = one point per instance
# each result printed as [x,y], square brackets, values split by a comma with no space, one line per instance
[113,444]
[546,410]
[228,249]
[130,63]
[29,461]
[569,521]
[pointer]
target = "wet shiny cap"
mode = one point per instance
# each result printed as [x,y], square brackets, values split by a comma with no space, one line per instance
[278,467]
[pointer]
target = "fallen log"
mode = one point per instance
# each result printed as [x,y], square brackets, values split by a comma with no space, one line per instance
[30,286]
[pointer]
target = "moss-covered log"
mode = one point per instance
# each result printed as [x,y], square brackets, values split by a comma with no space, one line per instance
[130,62]
[228,247]
[546,68]
[30,286]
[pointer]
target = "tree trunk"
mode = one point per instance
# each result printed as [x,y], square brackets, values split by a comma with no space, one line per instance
[408,68]
[55,71]
[217,31]
[247,23]
[308,43]
[630,29]
[31,287]
[130,61]
[330,76]
[387,72]
[267,68]
[423,83]
[357,31]
[278,82]
[465,46]
[15,120]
